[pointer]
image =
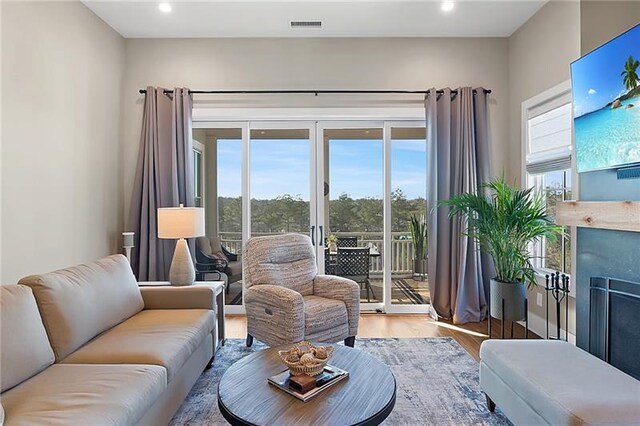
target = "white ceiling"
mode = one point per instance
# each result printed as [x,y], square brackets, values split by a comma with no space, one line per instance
[359,18]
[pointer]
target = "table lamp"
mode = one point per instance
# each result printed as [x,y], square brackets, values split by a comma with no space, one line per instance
[180,223]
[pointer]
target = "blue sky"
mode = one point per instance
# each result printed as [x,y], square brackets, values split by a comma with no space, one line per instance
[596,78]
[282,167]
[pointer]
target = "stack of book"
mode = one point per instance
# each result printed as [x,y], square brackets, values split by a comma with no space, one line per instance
[305,387]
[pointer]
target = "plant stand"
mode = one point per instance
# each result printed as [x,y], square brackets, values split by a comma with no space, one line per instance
[502,320]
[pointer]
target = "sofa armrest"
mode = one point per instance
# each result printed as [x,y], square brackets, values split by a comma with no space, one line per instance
[193,297]
[275,314]
[343,289]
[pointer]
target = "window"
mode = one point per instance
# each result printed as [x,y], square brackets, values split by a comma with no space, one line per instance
[555,186]
[547,124]
[198,168]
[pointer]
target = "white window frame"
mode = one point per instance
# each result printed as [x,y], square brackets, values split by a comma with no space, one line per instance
[546,101]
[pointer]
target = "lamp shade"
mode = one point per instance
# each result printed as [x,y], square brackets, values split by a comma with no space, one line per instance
[180,222]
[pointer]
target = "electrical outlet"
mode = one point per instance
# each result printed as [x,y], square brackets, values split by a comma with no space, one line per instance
[539,299]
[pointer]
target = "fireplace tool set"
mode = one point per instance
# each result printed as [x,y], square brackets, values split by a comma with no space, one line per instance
[558,286]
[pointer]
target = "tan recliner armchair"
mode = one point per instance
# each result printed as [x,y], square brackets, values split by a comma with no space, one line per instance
[287,301]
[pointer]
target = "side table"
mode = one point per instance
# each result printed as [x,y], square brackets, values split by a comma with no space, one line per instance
[218,287]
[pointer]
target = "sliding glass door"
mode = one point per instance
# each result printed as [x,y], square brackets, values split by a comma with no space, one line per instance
[407,147]
[355,187]
[351,160]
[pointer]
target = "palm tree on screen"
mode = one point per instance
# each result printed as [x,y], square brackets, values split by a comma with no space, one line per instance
[629,75]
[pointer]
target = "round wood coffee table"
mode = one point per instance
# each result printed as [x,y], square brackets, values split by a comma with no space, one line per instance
[366,397]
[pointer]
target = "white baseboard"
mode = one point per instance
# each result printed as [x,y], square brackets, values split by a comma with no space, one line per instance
[538,325]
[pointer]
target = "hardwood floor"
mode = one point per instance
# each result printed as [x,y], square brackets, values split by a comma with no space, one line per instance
[470,336]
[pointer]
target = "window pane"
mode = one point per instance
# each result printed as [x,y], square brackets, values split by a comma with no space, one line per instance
[408,200]
[555,187]
[280,181]
[230,191]
[354,204]
[224,207]
[197,178]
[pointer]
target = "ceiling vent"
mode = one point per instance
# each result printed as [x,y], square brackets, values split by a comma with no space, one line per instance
[305,24]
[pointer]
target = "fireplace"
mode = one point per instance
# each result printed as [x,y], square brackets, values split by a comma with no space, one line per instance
[614,323]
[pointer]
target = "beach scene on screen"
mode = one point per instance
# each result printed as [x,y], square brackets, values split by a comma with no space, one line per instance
[606,104]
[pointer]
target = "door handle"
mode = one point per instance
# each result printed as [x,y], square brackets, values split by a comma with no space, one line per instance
[321,236]
[313,237]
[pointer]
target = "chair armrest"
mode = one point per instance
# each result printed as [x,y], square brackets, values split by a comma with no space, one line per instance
[193,297]
[213,261]
[343,289]
[275,314]
[231,256]
[221,266]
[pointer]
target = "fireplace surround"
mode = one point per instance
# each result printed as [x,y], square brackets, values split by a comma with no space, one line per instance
[614,323]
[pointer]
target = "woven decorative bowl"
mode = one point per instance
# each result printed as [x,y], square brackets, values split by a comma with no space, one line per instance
[305,358]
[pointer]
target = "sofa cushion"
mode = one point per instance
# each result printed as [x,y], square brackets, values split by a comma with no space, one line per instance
[563,383]
[79,303]
[165,337]
[25,347]
[85,395]
[324,319]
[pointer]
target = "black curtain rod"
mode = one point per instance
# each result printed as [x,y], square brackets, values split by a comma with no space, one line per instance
[311,92]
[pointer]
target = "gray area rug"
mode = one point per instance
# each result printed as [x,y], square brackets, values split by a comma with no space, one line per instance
[437,383]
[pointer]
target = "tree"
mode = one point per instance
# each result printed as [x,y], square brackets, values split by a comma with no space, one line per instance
[630,75]
[230,214]
[369,214]
[294,212]
[342,214]
[401,210]
[288,213]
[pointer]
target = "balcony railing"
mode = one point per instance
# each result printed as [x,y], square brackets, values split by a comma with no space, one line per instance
[401,249]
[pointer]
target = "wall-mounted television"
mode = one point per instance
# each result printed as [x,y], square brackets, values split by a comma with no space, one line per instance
[606,104]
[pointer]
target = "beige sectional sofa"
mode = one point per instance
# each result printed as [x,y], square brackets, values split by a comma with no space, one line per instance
[87,346]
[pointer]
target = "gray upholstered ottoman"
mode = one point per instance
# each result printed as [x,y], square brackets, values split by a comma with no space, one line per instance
[539,382]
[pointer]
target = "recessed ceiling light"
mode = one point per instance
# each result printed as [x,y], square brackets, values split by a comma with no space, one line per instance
[164,7]
[447,6]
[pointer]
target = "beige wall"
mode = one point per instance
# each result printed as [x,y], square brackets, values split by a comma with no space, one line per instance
[313,63]
[62,199]
[540,53]
[600,21]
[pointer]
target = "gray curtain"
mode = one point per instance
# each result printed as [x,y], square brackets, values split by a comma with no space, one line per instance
[458,159]
[164,178]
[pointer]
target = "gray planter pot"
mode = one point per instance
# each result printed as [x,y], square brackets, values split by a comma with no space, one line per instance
[420,266]
[514,296]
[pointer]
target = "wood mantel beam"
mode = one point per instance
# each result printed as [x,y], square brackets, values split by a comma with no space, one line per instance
[616,215]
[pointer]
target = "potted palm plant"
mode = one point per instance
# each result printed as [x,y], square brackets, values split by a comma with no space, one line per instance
[418,230]
[504,223]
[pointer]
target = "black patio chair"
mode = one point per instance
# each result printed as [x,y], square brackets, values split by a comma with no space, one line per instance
[329,263]
[347,242]
[353,263]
